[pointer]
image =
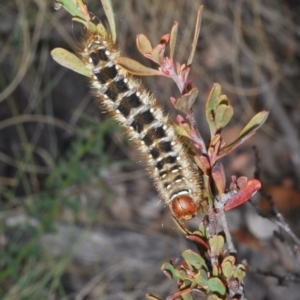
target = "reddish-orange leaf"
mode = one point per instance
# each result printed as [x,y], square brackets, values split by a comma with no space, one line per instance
[243,195]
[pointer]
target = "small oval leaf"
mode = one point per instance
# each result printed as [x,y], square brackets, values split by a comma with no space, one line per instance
[170,271]
[230,259]
[194,259]
[223,115]
[227,269]
[134,67]
[143,44]
[257,121]
[202,279]
[211,106]
[240,273]
[186,101]
[216,244]
[70,61]
[217,286]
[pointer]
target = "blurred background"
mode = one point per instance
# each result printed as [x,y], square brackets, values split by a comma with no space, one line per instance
[79,217]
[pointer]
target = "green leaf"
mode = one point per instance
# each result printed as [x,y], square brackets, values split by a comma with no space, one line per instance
[79,20]
[215,270]
[201,231]
[171,270]
[211,106]
[143,44]
[202,279]
[186,101]
[227,269]
[249,130]
[134,67]
[175,274]
[216,285]
[216,244]
[230,259]
[226,150]
[194,259]
[240,273]
[70,61]
[72,8]
[223,115]
[109,12]
[183,129]
[257,121]
[173,36]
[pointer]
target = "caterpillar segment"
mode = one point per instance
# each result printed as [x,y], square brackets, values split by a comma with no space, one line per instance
[124,96]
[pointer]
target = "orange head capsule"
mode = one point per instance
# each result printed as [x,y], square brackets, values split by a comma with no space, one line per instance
[184,207]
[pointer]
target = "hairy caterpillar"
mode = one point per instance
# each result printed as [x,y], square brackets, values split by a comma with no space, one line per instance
[127,100]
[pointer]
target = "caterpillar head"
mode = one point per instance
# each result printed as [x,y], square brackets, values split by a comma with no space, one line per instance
[184,207]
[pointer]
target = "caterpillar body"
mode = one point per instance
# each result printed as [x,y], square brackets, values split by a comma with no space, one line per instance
[126,99]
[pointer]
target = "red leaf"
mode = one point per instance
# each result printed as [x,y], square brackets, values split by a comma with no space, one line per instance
[243,195]
[165,38]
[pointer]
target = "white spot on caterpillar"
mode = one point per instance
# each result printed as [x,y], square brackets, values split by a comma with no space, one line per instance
[90,60]
[107,52]
[168,186]
[165,127]
[178,180]
[183,192]
[175,171]
[178,158]
[117,68]
[125,80]
[163,175]
[117,111]
[138,94]
[152,110]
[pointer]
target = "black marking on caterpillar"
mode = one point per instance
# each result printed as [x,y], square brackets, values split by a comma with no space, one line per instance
[127,100]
